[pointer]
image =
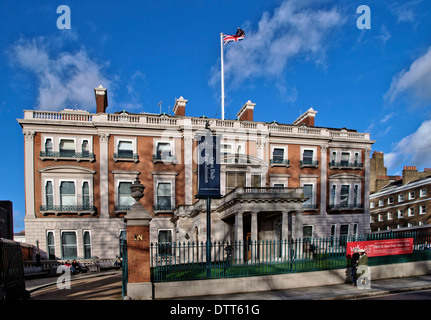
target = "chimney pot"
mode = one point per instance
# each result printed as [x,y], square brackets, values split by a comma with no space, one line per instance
[180,107]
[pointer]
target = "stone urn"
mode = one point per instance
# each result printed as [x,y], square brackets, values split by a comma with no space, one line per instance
[137,190]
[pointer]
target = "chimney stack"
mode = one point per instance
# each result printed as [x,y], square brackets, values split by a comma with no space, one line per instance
[246,112]
[306,118]
[101,99]
[180,107]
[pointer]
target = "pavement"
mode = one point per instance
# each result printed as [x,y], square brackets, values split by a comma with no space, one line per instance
[332,292]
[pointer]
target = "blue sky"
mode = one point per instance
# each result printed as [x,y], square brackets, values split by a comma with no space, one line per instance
[296,55]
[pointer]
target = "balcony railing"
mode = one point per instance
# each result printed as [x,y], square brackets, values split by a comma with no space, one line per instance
[66,155]
[279,162]
[126,156]
[122,209]
[310,206]
[347,206]
[166,158]
[346,164]
[163,208]
[308,163]
[78,209]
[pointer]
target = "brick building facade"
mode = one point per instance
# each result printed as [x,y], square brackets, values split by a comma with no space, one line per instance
[277,180]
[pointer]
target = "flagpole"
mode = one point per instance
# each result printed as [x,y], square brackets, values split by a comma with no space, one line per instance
[222,77]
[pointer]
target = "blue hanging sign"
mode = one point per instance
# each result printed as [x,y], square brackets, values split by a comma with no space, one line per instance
[208,166]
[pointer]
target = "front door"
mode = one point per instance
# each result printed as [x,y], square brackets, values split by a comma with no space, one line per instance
[248,244]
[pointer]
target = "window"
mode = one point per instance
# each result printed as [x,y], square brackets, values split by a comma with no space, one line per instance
[390,215]
[372,205]
[334,187]
[164,241]
[50,245]
[400,214]
[86,239]
[125,195]
[68,245]
[380,217]
[355,195]
[67,148]
[333,157]
[344,233]
[67,193]
[410,224]
[381,203]
[344,195]
[390,200]
[49,195]
[278,155]
[400,197]
[164,196]
[422,209]
[356,158]
[256,180]
[345,158]
[307,232]
[125,149]
[411,212]
[48,145]
[278,185]
[307,157]
[226,149]
[85,148]
[234,179]
[371,218]
[308,193]
[163,150]
[122,239]
[423,193]
[85,195]
[411,195]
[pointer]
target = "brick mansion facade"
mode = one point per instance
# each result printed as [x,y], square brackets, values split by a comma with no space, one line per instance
[278,181]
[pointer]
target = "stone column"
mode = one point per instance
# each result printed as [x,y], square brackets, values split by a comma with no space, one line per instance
[254,226]
[366,198]
[139,286]
[239,231]
[285,226]
[29,173]
[104,182]
[323,178]
[299,225]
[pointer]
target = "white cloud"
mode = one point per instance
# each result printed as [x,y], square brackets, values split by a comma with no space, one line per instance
[405,12]
[64,79]
[293,31]
[416,81]
[415,149]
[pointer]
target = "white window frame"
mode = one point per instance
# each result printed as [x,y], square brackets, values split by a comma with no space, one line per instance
[314,149]
[423,192]
[401,197]
[410,195]
[411,211]
[77,242]
[381,202]
[164,177]
[400,213]
[422,209]
[77,191]
[83,243]
[389,215]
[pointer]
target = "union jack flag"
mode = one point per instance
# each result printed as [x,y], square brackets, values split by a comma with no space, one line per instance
[240,34]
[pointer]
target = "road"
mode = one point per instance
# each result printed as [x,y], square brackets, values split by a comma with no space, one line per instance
[98,288]
[410,295]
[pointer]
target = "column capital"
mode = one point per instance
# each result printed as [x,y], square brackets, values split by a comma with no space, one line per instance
[29,135]
[103,136]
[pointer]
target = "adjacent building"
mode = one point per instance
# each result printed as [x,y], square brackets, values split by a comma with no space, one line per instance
[278,181]
[401,202]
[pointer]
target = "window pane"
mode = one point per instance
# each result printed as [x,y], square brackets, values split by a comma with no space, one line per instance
[308,193]
[125,194]
[164,189]
[67,192]
[278,154]
[68,243]
[85,147]
[125,148]
[85,194]
[87,245]
[67,148]
[256,181]
[307,157]
[344,195]
[48,145]
[163,147]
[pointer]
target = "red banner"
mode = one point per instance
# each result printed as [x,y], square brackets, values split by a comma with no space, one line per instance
[377,248]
